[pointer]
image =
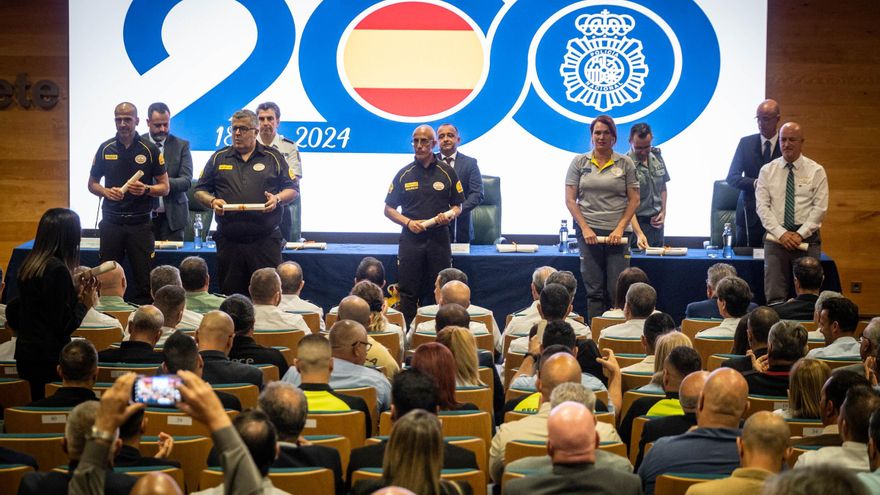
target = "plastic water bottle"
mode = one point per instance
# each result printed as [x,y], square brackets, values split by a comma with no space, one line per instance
[563,237]
[728,241]
[197,231]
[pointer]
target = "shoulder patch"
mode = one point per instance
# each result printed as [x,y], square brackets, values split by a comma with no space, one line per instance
[458,187]
[162,159]
[288,140]
[391,188]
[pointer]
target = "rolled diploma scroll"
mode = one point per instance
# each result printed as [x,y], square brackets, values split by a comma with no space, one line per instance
[801,247]
[432,222]
[604,240]
[102,268]
[134,178]
[244,207]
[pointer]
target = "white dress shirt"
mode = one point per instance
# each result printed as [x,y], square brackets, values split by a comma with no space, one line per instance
[190,319]
[269,317]
[727,328]
[520,345]
[850,455]
[810,195]
[292,302]
[644,366]
[630,329]
[96,318]
[473,310]
[845,346]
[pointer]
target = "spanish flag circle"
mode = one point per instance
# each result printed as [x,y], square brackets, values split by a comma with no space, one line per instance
[412,60]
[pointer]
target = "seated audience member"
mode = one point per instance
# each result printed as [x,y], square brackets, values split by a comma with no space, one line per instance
[557,368]
[144,330]
[763,449]
[855,414]
[372,270]
[129,455]
[265,290]
[837,322]
[758,323]
[662,347]
[171,301]
[572,442]
[214,338]
[869,346]
[625,280]
[567,279]
[414,458]
[164,275]
[740,337]
[461,343]
[733,295]
[411,390]
[640,301]
[111,291]
[824,479]
[77,432]
[93,317]
[554,304]
[348,343]
[2,306]
[78,368]
[786,343]
[830,399]
[455,292]
[681,362]
[244,348]
[805,389]
[444,277]
[370,292]
[820,302]
[521,321]
[156,483]
[711,448]
[182,353]
[292,283]
[708,309]
[436,361]
[196,280]
[314,362]
[576,393]
[872,479]
[808,277]
[357,309]
[667,426]
[655,325]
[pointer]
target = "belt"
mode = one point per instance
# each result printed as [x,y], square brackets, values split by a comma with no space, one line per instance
[127,219]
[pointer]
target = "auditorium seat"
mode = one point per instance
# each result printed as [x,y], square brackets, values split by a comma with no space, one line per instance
[98,388]
[11,475]
[419,338]
[638,426]
[175,422]
[26,419]
[479,396]
[350,424]
[46,448]
[190,451]
[765,403]
[627,359]
[338,442]
[475,444]
[8,369]
[14,392]
[486,217]
[121,316]
[247,393]
[473,477]
[100,337]
[678,483]
[690,327]
[312,319]
[391,341]
[631,396]
[286,338]
[805,427]
[835,363]
[715,360]
[486,376]
[369,395]
[723,210]
[635,379]
[599,323]
[706,346]
[270,372]
[621,346]
[109,372]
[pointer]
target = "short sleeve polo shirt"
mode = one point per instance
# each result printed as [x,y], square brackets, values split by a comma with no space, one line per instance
[423,192]
[602,188]
[117,164]
[652,177]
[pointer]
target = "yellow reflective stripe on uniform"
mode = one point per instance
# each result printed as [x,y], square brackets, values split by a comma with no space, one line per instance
[666,407]
[530,404]
[321,400]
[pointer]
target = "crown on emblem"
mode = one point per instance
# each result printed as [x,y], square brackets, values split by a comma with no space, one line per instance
[605,24]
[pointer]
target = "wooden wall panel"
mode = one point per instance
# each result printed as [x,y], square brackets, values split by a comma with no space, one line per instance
[823,67]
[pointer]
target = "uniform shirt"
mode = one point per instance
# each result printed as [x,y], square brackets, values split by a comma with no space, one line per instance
[845,346]
[602,189]
[631,329]
[850,455]
[292,302]
[234,180]
[96,318]
[422,192]
[652,177]
[871,481]
[810,195]
[520,345]
[117,164]
[114,303]
[523,382]
[288,150]
[699,451]
[727,328]
[742,480]
[269,317]
[320,397]
[349,375]
[203,301]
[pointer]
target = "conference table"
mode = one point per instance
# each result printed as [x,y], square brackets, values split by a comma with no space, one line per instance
[498,281]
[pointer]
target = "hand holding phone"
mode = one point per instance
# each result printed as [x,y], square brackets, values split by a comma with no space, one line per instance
[157,391]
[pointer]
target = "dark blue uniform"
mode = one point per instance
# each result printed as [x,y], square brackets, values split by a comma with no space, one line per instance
[422,193]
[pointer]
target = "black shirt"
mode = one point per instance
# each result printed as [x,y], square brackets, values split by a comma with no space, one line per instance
[773,382]
[246,350]
[129,456]
[131,352]
[9,456]
[117,164]
[236,181]
[744,363]
[66,397]
[219,370]
[423,192]
[639,407]
[800,308]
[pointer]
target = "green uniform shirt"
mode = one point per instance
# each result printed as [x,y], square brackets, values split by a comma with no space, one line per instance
[202,302]
[652,182]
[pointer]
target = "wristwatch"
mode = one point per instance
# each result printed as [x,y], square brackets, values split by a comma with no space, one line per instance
[96,434]
[147,189]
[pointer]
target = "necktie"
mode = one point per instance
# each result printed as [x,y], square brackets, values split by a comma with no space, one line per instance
[767,151]
[788,221]
[448,160]
[161,146]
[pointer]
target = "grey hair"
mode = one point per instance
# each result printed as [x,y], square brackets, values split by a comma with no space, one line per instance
[641,299]
[539,277]
[872,332]
[824,296]
[246,114]
[164,275]
[574,392]
[717,272]
[79,426]
[277,401]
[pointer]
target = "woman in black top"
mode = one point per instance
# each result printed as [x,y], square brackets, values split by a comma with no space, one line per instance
[50,305]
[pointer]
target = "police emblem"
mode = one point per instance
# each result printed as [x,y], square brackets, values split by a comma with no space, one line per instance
[140,159]
[604,69]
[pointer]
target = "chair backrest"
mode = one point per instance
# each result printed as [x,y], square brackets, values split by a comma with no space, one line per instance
[835,363]
[486,218]
[805,427]
[476,445]
[422,338]
[797,451]
[630,396]
[638,426]
[349,424]
[485,342]
[391,341]
[518,449]
[480,396]
[369,395]
[312,319]
[247,393]
[599,323]
[98,388]
[44,447]
[512,361]
[623,346]
[723,210]
[330,319]
[715,360]
[8,369]
[506,340]
[690,327]
[487,378]
[635,379]
[286,352]
[11,475]
[270,372]
[616,448]
[175,422]
[303,480]
[100,337]
[109,372]
[196,208]
[678,483]
[467,424]
[338,442]
[27,419]
[285,338]
[121,316]
[627,359]
[14,392]
[190,451]
[515,416]
[766,403]
[515,393]
[605,417]
[396,318]
[706,346]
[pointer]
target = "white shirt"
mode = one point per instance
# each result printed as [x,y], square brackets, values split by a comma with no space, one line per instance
[727,328]
[473,310]
[631,329]
[292,302]
[644,366]
[430,327]
[7,350]
[520,345]
[613,313]
[810,195]
[269,317]
[845,346]
[96,318]
[190,319]
[850,455]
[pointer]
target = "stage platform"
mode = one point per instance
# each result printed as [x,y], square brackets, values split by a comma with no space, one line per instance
[498,281]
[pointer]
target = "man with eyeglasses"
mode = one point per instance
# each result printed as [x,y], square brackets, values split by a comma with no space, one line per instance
[752,153]
[653,175]
[246,173]
[423,190]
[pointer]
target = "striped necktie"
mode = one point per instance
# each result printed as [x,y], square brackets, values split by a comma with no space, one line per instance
[788,221]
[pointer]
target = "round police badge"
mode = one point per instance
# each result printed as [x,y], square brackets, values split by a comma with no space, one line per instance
[140,159]
[617,171]
[259,167]
[439,186]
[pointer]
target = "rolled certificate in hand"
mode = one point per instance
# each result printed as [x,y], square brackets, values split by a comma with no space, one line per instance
[244,207]
[134,178]
[604,240]
[432,221]
[102,268]
[801,247]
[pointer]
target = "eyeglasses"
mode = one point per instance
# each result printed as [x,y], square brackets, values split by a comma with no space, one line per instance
[421,141]
[240,129]
[367,345]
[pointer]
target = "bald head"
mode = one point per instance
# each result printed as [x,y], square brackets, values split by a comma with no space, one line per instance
[156,484]
[265,287]
[791,141]
[571,434]
[145,324]
[768,118]
[126,108]
[354,308]
[291,277]
[455,292]
[559,368]
[113,282]
[346,338]
[690,390]
[215,332]
[766,434]
[724,399]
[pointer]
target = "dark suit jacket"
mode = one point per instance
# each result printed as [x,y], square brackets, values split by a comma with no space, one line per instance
[743,364]
[9,456]
[371,456]
[666,426]
[774,382]
[131,352]
[468,172]
[707,309]
[219,370]
[747,162]
[576,478]
[66,397]
[800,308]
[52,482]
[131,457]
[178,162]
[246,350]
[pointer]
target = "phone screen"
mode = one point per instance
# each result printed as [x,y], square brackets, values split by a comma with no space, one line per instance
[158,391]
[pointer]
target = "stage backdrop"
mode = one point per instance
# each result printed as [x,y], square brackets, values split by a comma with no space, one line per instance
[520,79]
